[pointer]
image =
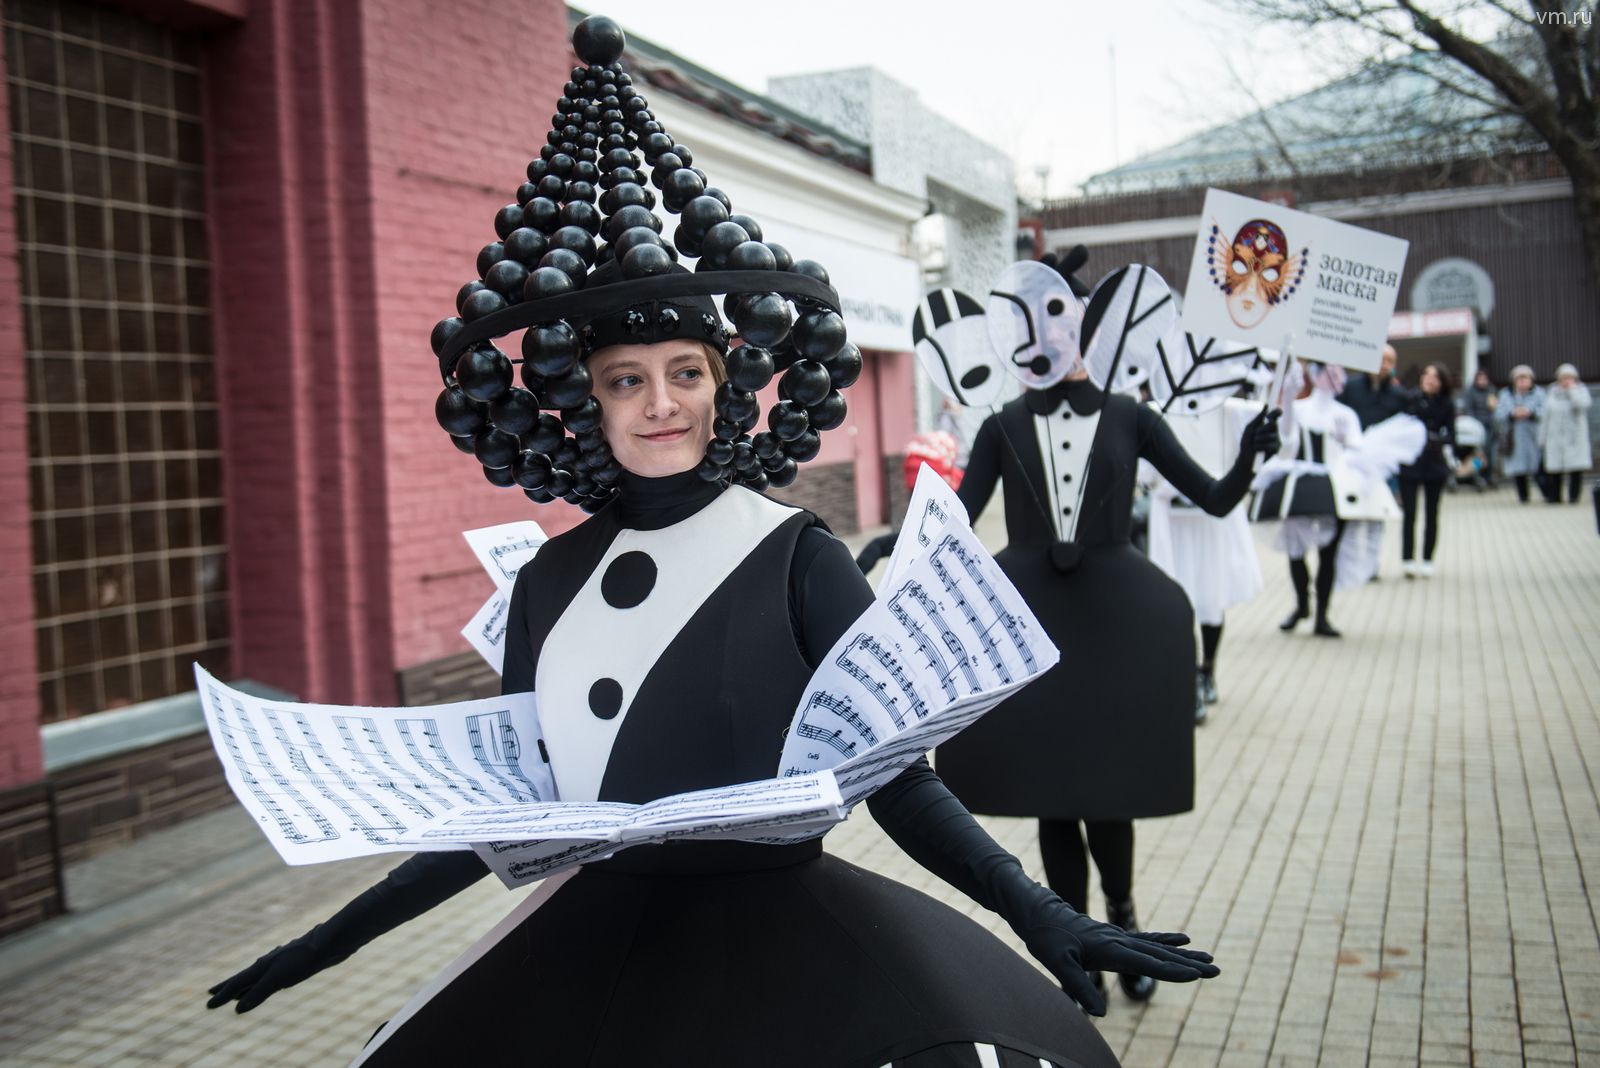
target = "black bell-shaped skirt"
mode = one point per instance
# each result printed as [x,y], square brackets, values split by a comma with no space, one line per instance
[734,954]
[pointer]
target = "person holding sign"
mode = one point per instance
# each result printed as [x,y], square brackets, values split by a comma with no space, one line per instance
[668,639]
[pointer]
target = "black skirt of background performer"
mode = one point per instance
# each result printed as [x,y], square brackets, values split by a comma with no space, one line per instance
[1108,733]
[813,963]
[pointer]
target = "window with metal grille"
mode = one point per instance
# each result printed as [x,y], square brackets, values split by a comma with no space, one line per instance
[129,560]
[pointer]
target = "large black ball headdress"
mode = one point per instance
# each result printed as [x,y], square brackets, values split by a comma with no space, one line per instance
[581,262]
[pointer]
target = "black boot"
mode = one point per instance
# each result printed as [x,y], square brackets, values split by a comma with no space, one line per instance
[1325,575]
[1301,576]
[1137,987]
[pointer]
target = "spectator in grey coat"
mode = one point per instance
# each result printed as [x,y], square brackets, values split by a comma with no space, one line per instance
[1564,433]
[1517,414]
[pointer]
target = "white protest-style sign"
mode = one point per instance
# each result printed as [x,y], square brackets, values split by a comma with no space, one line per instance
[502,551]
[1270,276]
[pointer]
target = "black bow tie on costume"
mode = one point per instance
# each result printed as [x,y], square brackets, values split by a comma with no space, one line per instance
[1082,394]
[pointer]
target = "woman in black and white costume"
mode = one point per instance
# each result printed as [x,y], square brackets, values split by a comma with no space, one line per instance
[1328,486]
[669,638]
[1107,735]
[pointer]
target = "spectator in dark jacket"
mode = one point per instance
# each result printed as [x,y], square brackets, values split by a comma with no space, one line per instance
[1430,403]
[1478,401]
[1375,397]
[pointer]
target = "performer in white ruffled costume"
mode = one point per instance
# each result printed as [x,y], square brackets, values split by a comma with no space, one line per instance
[1329,487]
[1214,560]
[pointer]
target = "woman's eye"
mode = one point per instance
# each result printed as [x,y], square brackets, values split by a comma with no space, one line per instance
[1270,274]
[1239,267]
[690,373]
[625,382]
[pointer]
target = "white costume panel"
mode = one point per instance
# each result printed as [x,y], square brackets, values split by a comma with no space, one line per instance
[1214,560]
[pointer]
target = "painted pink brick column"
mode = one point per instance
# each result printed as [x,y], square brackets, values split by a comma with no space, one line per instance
[20,755]
[291,240]
[460,98]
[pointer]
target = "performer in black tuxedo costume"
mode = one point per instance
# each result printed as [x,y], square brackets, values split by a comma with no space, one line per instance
[1107,735]
[669,638]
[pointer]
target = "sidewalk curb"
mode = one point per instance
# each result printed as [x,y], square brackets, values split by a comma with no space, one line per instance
[69,937]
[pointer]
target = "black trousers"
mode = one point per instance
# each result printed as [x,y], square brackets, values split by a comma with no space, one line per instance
[1066,867]
[1431,488]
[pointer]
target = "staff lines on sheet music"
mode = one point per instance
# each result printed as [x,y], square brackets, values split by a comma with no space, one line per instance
[286,788]
[925,645]
[286,823]
[500,761]
[877,651]
[297,757]
[845,712]
[1002,617]
[450,776]
[497,553]
[413,782]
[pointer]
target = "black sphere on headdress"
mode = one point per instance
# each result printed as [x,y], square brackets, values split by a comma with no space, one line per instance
[516,412]
[806,383]
[457,413]
[844,367]
[829,413]
[484,373]
[495,448]
[599,41]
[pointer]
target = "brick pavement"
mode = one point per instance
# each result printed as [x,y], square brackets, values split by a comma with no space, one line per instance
[1391,855]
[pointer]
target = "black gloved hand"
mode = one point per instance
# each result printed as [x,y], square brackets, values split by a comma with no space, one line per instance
[405,893]
[918,811]
[1261,434]
[1067,265]
[276,970]
[1071,944]
[875,550]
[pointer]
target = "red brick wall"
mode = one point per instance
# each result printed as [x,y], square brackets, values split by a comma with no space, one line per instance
[20,759]
[460,97]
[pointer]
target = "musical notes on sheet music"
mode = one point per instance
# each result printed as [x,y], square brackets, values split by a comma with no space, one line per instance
[948,635]
[327,782]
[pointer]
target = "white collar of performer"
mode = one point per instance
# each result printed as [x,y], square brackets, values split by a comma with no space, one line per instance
[596,648]
[1065,441]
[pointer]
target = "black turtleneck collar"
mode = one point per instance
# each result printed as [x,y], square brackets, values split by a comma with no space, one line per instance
[1082,394]
[655,503]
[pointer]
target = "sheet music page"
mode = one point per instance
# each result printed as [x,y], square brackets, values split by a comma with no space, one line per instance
[526,842]
[937,648]
[486,631]
[933,504]
[326,782]
[503,549]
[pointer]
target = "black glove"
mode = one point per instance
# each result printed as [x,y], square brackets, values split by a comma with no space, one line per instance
[1261,434]
[1067,265]
[875,550]
[918,811]
[404,894]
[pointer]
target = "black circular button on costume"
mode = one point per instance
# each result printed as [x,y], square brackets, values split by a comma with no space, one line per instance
[1108,733]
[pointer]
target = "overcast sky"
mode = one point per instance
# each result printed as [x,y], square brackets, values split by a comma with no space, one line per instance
[1033,78]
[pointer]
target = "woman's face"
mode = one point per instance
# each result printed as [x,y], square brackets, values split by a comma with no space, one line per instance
[1523,383]
[656,404]
[1430,379]
[1566,381]
[1481,379]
